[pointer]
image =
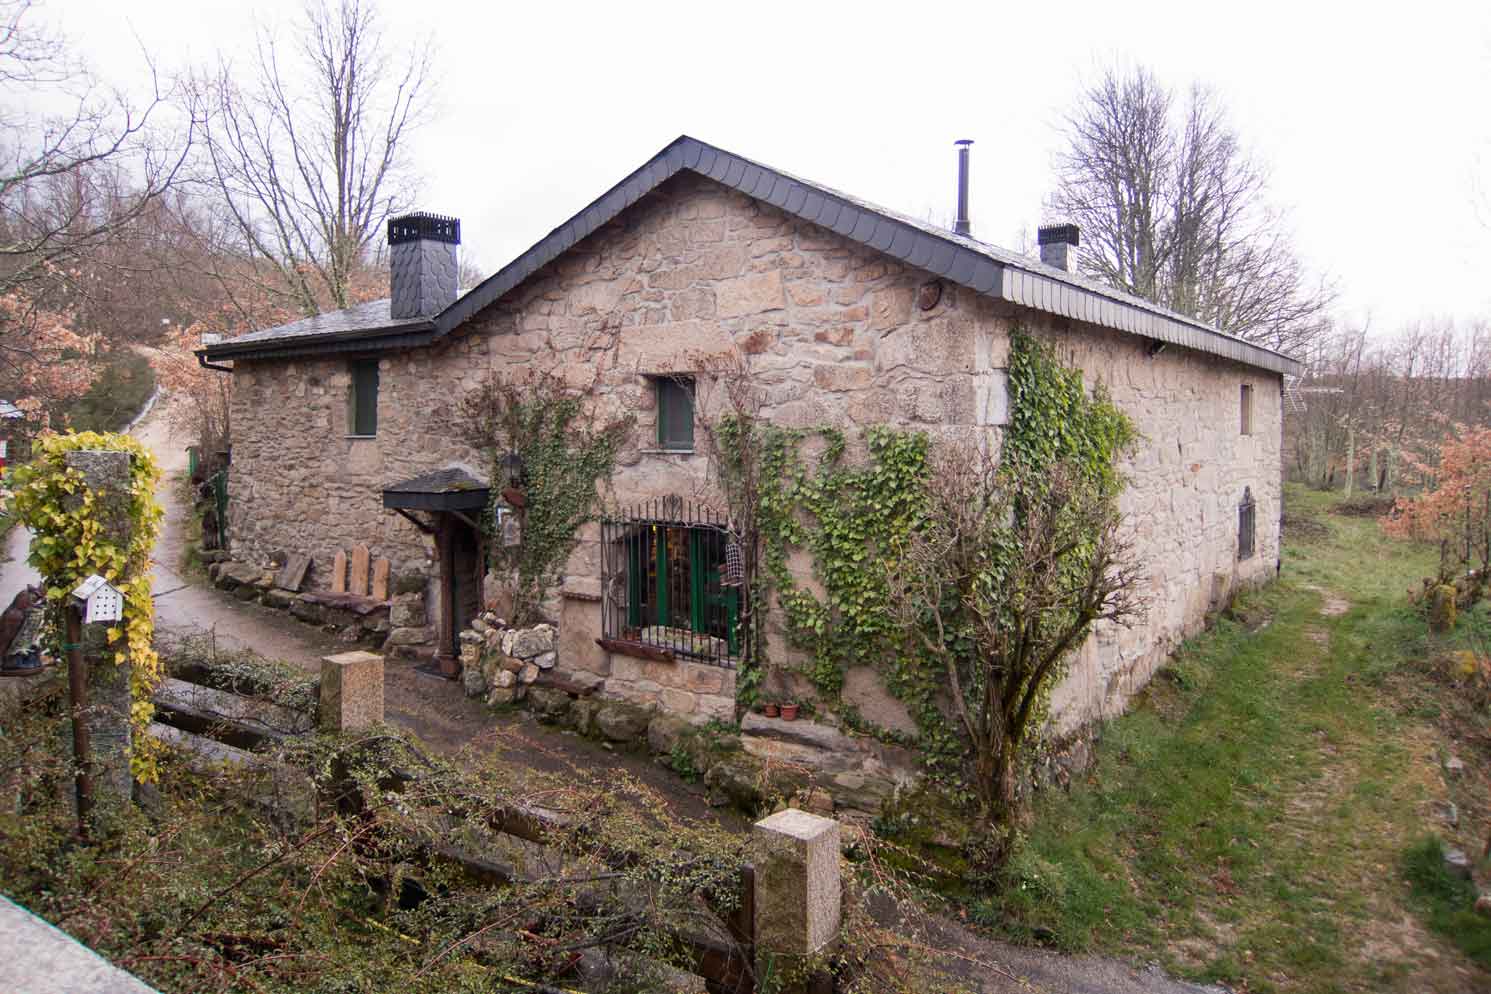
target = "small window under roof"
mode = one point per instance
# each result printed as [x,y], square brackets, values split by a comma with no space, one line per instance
[362,398]
[675,413]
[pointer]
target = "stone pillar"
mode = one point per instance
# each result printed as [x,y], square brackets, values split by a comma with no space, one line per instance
[106,473]
[351,691]
[796,859]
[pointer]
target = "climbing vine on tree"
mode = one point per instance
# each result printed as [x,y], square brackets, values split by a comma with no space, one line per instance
[967,573]
[565,452]
[67,547]
[1018,556]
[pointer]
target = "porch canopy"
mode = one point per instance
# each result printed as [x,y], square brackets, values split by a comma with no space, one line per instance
[443,490]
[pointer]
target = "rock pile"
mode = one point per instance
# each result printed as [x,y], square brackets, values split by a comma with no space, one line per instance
[501,663]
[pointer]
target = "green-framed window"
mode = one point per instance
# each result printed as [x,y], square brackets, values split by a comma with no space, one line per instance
[675,413]
[362,398]
[674,584]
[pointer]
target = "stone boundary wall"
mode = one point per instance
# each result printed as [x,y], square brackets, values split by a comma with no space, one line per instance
[831,333]
[399,626]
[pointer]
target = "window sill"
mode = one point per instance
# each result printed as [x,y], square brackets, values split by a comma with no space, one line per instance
[666,452]
[637,650]
[359,438]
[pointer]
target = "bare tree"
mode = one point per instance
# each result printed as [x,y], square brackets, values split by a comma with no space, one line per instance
[308,155]
[72,179]
[1173,209]
[1001,586]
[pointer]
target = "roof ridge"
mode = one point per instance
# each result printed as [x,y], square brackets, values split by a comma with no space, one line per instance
[984,268]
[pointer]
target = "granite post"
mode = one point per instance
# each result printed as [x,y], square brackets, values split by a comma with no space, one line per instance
[351,691]
[797,896]
[106,474]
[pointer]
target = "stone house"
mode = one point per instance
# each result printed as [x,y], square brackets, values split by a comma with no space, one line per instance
[843,313]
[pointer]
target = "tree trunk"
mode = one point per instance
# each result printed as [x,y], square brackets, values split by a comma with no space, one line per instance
[1350,459]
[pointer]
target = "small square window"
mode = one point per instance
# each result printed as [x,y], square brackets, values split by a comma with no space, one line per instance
[675,413]
[1247,409]
[362,398]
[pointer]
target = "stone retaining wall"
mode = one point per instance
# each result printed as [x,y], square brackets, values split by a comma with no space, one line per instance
[399,626]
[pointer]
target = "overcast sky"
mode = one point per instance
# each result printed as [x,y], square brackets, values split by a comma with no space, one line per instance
[1373,118]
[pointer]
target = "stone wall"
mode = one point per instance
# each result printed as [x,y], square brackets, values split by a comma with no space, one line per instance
[831,333]
[1186,480]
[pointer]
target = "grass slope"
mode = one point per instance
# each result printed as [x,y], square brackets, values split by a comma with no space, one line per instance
[1249,820]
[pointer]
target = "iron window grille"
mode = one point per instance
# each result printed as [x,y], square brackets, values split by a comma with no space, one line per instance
[1246,531]
[675,413]
[673,578]
[362,401]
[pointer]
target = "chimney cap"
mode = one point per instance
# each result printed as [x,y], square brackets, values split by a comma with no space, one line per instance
[1058,234]
[423,226]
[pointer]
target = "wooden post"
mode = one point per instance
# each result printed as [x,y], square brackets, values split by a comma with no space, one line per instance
[358,584]
[797,898]
[339,572]
[445,655]
[77,687]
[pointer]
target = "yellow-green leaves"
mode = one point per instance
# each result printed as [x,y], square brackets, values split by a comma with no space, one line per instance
[67,546]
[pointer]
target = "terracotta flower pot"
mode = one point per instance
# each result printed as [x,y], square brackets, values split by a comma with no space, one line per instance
[789,712]
[770,710]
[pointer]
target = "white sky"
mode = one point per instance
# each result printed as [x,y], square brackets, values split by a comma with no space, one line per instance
[1374,118]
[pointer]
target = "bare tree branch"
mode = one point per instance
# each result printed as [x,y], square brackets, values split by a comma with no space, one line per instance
[308,157]
[1173,209]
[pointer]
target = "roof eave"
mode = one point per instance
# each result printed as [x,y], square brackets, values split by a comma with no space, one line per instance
[360,339]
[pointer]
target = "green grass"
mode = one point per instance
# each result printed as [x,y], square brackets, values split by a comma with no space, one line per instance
[1243,821]
[1447,901]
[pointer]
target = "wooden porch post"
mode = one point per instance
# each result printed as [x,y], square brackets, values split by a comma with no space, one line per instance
[450,664]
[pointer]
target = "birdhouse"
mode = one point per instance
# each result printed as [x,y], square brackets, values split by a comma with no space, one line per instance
[100,600]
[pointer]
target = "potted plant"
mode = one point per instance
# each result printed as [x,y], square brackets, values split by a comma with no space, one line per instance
[789,711]
[769,709]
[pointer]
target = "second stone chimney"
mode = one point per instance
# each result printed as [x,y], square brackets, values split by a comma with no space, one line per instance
[423,276]
[1058,245]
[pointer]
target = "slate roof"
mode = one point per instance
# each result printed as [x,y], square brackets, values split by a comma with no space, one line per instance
[451,489]
[442,481]
[362,319]
[986,269]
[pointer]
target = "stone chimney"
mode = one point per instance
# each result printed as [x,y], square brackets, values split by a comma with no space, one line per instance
[423,277]
[1058,245]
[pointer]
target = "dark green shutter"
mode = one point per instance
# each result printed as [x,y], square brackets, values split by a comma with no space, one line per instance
[365,397]
[675,414]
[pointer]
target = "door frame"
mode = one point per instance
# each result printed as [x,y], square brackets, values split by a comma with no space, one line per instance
[454,527]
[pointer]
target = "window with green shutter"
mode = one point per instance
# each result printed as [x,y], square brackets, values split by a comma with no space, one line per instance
[673,576]
[675,413]
[362,399]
